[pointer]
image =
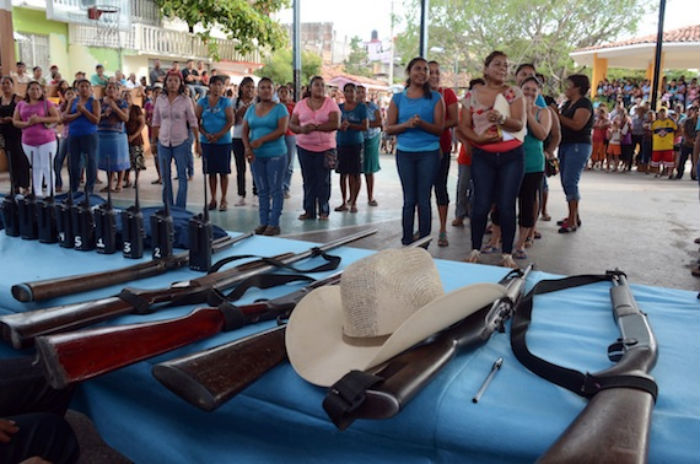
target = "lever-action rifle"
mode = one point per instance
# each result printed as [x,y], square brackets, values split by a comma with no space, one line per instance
[76,356]
[20,329]
[614,426]
[52,288]
[210,378]
[383,391]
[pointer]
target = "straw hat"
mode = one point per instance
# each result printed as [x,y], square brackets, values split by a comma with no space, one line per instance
[385,304]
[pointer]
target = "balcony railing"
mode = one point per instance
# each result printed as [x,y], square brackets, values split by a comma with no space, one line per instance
[158,41]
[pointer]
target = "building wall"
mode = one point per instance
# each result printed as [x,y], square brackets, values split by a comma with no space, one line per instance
[83,58]
[35,22]
[135,64]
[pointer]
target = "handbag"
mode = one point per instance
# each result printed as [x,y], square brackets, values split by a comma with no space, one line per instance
[330,159]
[551,167]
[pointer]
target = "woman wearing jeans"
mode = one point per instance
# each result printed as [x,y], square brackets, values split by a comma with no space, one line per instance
[83,114]
[172,111]
[576,117]
[493,120]
[290,140]
[264,126]
[315,120]
[416,116]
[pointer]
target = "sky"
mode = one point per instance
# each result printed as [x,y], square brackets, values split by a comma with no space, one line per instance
[366,15]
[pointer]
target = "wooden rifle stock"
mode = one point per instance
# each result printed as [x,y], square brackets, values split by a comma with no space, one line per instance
[52,288]
[210,378]
[20,329]
[614,426]
[78,356]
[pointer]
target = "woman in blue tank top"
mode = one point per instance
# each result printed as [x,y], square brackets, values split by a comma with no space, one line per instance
[416,116]
[83,115]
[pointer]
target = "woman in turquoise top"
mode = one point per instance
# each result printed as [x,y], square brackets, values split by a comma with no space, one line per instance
[417,117]
[215,115]
[538,125]
[349,139]
[264,126]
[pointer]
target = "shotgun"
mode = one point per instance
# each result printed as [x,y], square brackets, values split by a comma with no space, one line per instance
[20,329]
[383,391]
[209,378]
[77,356]
[40,290]
[614,425]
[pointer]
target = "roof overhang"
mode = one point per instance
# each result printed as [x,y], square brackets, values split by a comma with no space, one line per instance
[677,55]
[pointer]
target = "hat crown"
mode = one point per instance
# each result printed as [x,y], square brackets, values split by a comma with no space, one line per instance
[380,292]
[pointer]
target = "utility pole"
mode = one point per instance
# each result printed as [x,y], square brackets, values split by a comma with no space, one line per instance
[391,37]
[657,57]
[296,48]
[424,10]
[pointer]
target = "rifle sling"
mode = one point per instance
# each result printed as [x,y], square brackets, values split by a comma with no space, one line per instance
[332,262]
[348,394]
[217,297]
[586,385]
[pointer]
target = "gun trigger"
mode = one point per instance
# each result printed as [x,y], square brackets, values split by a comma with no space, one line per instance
[616,350]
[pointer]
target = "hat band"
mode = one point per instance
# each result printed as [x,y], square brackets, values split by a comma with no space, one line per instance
[365,341]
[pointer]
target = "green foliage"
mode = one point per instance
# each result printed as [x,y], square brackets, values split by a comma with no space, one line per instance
[357,62]
[248,23]
[278,66]
[539,31]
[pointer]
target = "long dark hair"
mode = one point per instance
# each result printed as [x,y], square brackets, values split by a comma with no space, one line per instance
[307,92]
[26,92]
[177,74]
[245,81]
[427,91]
[264,79]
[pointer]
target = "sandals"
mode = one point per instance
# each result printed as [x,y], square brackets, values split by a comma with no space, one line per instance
[212,205]
[488,249]
[373,203]
[519,254]
[473,257]
[306,217]
[566,229]
[546,217]
[565,222]
[507,261]
[458,222]
[528,242]
[342,207]
[442,239]
[537,235]
[353,209]
[223,206]
[157,182]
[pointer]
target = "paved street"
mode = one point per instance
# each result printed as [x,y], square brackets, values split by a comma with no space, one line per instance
[642,225]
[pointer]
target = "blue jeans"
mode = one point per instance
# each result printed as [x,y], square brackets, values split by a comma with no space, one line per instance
[59,159]
[464,191]
[572,159]
[197,91]
[190,155]
[165,158]
[291,141]
[496,179]
[269,174]
[417,172]
[317,182]
[77,146]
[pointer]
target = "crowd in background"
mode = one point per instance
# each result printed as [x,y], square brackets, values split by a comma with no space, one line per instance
[510,136]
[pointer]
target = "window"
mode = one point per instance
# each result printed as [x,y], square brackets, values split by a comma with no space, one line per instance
[34,51]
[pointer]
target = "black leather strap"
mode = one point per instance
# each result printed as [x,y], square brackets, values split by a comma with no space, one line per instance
[332,262]
[582,384]
[262,281]
[348,394]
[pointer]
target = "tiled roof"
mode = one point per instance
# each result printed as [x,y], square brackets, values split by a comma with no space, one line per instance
[686,34]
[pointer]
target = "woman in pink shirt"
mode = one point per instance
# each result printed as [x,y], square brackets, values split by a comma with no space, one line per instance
[315,120]
[172,113]
[38,141]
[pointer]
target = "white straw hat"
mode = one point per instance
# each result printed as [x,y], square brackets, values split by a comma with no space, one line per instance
[385,304]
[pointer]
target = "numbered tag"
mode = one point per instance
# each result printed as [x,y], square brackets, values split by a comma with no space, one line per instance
[78,241]
[100,243]
[127,247]
[156,252]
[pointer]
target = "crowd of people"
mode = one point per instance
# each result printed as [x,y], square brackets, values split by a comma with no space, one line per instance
[511,137]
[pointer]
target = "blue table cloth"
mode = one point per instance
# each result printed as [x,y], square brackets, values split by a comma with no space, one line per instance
[280,418]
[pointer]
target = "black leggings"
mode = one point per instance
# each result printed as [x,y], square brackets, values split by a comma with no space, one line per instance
[239,156]
[442,198]
[532,182]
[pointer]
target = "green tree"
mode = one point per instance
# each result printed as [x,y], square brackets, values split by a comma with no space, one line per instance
[357,62]
[540,31]
[248,23]
[278,66]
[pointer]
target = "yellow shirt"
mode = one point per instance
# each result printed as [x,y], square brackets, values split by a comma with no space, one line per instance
[663,131]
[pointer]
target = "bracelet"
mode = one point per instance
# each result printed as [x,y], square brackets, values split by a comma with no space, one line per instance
[502,119]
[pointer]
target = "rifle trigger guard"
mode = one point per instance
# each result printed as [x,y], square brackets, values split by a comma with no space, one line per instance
[616,351]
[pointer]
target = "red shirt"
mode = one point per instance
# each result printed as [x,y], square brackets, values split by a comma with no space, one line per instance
[290,108]
[449,96]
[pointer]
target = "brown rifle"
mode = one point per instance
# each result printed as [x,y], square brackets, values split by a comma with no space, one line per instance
[211,377]
[614,426]
[52,288]
[76,356]
[22,328]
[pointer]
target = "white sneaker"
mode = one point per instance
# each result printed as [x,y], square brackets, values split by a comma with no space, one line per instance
[240,202]
[473,257]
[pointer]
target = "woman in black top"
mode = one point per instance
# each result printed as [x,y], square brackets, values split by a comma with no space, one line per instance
[12,135]
[576,118]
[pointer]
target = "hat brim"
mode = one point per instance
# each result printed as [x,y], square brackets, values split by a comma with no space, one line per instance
[321,354]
